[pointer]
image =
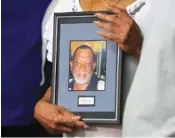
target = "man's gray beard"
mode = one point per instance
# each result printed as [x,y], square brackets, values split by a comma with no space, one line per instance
[82,82]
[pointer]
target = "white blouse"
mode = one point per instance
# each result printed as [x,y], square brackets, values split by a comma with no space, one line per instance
[150,106]
[138,12]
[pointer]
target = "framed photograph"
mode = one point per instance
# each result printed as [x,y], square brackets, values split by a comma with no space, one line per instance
[86,69]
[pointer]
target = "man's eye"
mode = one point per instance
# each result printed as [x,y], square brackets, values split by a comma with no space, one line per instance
[85,64]
[76,63]
[89,65]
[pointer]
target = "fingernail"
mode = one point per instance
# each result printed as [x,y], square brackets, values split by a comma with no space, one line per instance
[86,126]
[99,32]
[77,117]
[96,22]
[97,14]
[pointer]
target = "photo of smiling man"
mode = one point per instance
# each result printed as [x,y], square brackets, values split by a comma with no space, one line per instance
[87,70]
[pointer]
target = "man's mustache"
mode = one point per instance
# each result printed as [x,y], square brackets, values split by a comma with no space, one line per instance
[82,74]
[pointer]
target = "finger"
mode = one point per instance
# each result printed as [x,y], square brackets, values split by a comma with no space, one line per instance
[119,10]
[110,18]
[66,119]
[63,129]
[68,114]
[80,124]
[71,116]
[76,123]
[107,26]
[106,17]
[50,128]
[122,7]
[103,25]
[56,128]
[72,120]
[110,36]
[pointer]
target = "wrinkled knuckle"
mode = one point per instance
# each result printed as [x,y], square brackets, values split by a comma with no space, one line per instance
[58,119]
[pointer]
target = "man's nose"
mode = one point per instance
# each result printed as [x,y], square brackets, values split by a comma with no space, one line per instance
[82,67]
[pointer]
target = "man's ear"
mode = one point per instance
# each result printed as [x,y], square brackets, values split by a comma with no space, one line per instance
[71,65]
[94,65]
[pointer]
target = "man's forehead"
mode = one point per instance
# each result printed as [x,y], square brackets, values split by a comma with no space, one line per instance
[84,53]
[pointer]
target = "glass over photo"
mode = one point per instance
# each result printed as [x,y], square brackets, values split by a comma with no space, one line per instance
[87,65]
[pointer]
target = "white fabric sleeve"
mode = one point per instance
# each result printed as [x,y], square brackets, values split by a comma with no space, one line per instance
[48,28]
[55,6]
[46,18]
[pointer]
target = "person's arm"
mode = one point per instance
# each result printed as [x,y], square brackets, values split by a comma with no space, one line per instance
[47,96]
[54,118]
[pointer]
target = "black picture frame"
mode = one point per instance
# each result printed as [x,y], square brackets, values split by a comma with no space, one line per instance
[88,117]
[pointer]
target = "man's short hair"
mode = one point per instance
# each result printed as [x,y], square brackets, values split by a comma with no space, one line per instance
[83,47]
